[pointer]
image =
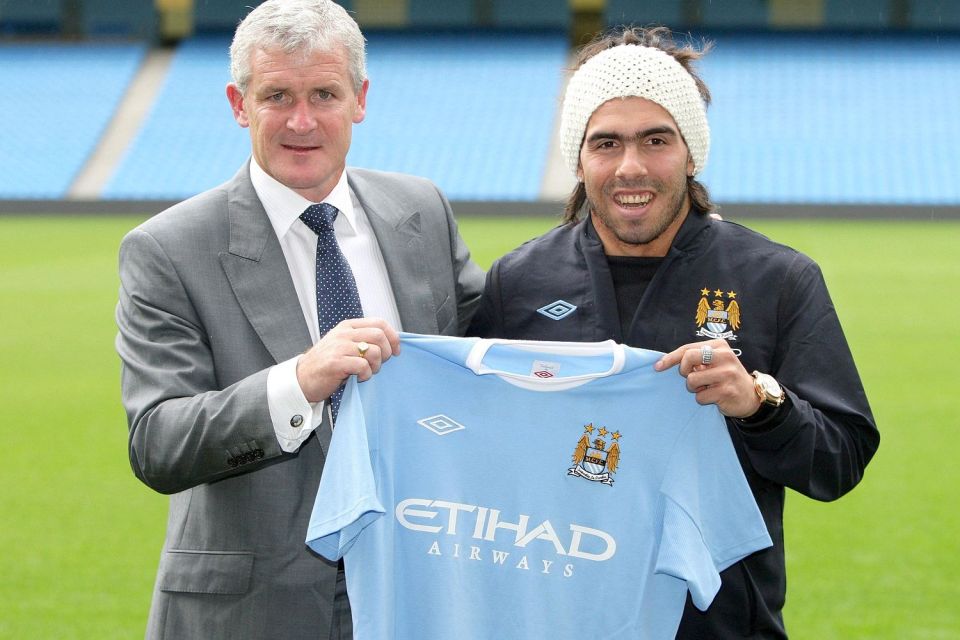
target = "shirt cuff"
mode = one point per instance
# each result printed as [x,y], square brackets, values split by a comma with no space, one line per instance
[294,419]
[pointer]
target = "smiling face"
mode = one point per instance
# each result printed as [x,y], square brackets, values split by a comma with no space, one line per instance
[634,165]
[300,111]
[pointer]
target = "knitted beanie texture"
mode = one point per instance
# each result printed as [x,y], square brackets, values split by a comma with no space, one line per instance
[630,70]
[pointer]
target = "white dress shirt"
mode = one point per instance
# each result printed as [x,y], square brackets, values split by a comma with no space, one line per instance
[294,419]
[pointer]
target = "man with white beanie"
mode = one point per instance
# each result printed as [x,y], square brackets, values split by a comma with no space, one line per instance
[748,322]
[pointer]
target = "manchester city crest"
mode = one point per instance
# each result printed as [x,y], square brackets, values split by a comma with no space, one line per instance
[718,314]
[598,460]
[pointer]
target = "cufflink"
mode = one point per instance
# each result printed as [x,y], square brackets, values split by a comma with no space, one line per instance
[296,421]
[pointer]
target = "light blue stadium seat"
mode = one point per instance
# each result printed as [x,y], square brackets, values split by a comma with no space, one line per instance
[132,19]
[441,13]
[473,113]
[736,14]
[220,15]
[30,16]
[190,141]
[834,120]
[643,12]
[57,103]
[531,14]
[863,14]
[938,15]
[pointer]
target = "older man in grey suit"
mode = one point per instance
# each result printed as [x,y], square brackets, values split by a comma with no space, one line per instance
[229,379]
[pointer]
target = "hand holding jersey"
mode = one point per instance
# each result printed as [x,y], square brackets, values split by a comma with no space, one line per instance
[723,381]
[336,356]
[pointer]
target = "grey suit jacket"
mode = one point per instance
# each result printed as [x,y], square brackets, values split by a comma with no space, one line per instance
[206,306]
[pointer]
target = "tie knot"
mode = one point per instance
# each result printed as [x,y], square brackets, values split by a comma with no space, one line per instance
[320,217]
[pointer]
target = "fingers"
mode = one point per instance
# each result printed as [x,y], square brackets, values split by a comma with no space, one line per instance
[354,347]
[691,355]
[715,375]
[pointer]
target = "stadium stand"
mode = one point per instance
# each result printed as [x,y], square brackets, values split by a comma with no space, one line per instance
[830,103]
[834,118]
[101,18]
[653,12]
[863,14]
[57,101]
[189,141]
[211,16]
[468,110]
[472,111]
[30,17]
[935,14]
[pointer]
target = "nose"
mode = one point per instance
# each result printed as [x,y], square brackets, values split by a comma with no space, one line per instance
[301,120]
[631,164]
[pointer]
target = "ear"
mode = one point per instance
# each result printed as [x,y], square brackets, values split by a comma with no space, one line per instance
[361,109]
[237,105]
[691,168]
[579,172]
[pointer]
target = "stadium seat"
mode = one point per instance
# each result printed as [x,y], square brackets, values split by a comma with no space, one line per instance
[136,19]
[863,14]
[531,14]
[30,16]
[827,119]
[640,12]
[472,112]
[219,16]
[441,13]
[189,141]
[938,15]
[735,14]
[59,101]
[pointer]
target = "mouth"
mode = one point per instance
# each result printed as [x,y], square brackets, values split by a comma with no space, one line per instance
[296,148]
[633,200]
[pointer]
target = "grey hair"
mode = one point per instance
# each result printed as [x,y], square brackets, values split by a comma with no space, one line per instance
[297,26]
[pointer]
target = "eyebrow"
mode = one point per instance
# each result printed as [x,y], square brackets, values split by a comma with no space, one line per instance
[639,135]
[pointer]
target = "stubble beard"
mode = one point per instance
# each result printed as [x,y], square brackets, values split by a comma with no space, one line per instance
[641,232]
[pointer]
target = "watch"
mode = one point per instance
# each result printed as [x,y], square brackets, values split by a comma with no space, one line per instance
[768,389]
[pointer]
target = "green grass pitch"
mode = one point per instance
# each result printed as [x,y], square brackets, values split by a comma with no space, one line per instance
[80,537]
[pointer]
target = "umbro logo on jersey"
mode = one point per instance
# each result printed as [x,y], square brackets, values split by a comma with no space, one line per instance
[441,424]
[557,310]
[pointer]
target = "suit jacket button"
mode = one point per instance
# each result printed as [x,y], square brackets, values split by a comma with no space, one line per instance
[296,421]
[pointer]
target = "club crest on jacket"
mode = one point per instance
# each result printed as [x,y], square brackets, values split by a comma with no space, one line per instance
[718,314]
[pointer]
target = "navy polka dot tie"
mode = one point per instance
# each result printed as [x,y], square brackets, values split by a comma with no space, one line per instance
[337,295]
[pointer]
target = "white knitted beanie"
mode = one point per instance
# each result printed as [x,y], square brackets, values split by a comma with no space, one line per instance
[634,70]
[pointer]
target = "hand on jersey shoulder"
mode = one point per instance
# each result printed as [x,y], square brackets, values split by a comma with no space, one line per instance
[354,347]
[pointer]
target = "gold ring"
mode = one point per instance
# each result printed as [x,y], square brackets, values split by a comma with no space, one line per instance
[362,348]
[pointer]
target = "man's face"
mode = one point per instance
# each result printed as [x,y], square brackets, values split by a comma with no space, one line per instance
[300,111]
[634,165]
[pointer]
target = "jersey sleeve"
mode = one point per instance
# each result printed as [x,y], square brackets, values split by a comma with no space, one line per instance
[346,501]
[710,519]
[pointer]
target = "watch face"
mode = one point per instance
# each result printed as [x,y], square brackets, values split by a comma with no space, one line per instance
[769,389]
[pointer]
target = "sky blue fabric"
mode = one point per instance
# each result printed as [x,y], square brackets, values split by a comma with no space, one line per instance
[531,490]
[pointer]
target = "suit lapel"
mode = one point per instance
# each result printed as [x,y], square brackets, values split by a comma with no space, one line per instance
[258,273]
[396,224]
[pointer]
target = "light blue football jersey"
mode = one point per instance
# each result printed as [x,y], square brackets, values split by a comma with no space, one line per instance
[482,489]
